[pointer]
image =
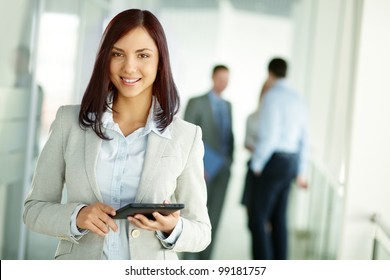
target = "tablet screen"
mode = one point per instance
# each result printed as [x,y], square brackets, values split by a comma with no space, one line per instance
[147,209]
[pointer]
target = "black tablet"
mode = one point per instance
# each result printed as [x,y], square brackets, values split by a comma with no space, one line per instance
[146,209]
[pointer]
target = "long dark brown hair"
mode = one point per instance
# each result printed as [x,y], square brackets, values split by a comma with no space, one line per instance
[95,99]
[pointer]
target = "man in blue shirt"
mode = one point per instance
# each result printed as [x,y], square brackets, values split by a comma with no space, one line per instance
[279,157]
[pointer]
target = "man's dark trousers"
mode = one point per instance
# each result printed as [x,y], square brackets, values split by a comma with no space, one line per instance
[268,207]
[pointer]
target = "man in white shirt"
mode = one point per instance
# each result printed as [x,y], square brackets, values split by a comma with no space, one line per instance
[279,157]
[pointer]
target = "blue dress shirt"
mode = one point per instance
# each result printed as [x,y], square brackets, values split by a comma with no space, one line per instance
[282,126]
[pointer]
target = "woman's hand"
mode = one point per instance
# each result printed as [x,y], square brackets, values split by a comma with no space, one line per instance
[166,224]
[96,218]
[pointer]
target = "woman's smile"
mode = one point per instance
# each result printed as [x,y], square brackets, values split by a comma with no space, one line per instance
[130,82]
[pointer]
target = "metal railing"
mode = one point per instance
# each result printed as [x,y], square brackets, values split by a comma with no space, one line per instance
[316,220]
[320,218]
[381,237]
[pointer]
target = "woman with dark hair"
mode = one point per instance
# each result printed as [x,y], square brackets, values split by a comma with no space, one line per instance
[123,144]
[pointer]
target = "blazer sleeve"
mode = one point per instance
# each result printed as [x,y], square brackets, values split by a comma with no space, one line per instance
[43,211]
[191,189]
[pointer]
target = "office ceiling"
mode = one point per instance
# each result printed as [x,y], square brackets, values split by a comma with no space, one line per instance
[270,7]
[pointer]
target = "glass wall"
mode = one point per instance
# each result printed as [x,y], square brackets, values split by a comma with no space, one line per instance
[48,44]
[19,99]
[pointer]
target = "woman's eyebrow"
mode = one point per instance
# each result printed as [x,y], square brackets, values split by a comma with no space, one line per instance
[142,50]
[137,51]
[118,49]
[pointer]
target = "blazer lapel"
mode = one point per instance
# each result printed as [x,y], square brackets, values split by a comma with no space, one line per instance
[92,145]
[154,151]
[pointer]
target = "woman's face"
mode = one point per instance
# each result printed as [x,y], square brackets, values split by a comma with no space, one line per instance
[134,63]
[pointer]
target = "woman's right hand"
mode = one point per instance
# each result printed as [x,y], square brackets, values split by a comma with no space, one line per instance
[96,218]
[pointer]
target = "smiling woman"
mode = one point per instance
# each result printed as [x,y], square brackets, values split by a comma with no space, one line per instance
[116,54]
[125,146]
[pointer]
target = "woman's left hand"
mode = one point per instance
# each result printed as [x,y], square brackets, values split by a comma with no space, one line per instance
[166,224]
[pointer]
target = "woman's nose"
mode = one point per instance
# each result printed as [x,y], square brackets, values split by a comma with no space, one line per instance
[130,65]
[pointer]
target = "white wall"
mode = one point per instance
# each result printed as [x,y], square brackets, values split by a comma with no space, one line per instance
[369,177]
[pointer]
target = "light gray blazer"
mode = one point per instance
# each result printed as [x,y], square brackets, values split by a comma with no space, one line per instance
[173,169]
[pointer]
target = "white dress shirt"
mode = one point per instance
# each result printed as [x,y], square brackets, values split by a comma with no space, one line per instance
[118,172]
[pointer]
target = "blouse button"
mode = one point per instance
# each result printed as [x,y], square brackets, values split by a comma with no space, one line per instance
[135,233]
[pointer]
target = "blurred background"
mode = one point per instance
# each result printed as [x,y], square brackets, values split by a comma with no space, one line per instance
[339,58]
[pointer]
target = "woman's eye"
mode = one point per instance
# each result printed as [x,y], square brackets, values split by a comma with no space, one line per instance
[143,55]
[116,54]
